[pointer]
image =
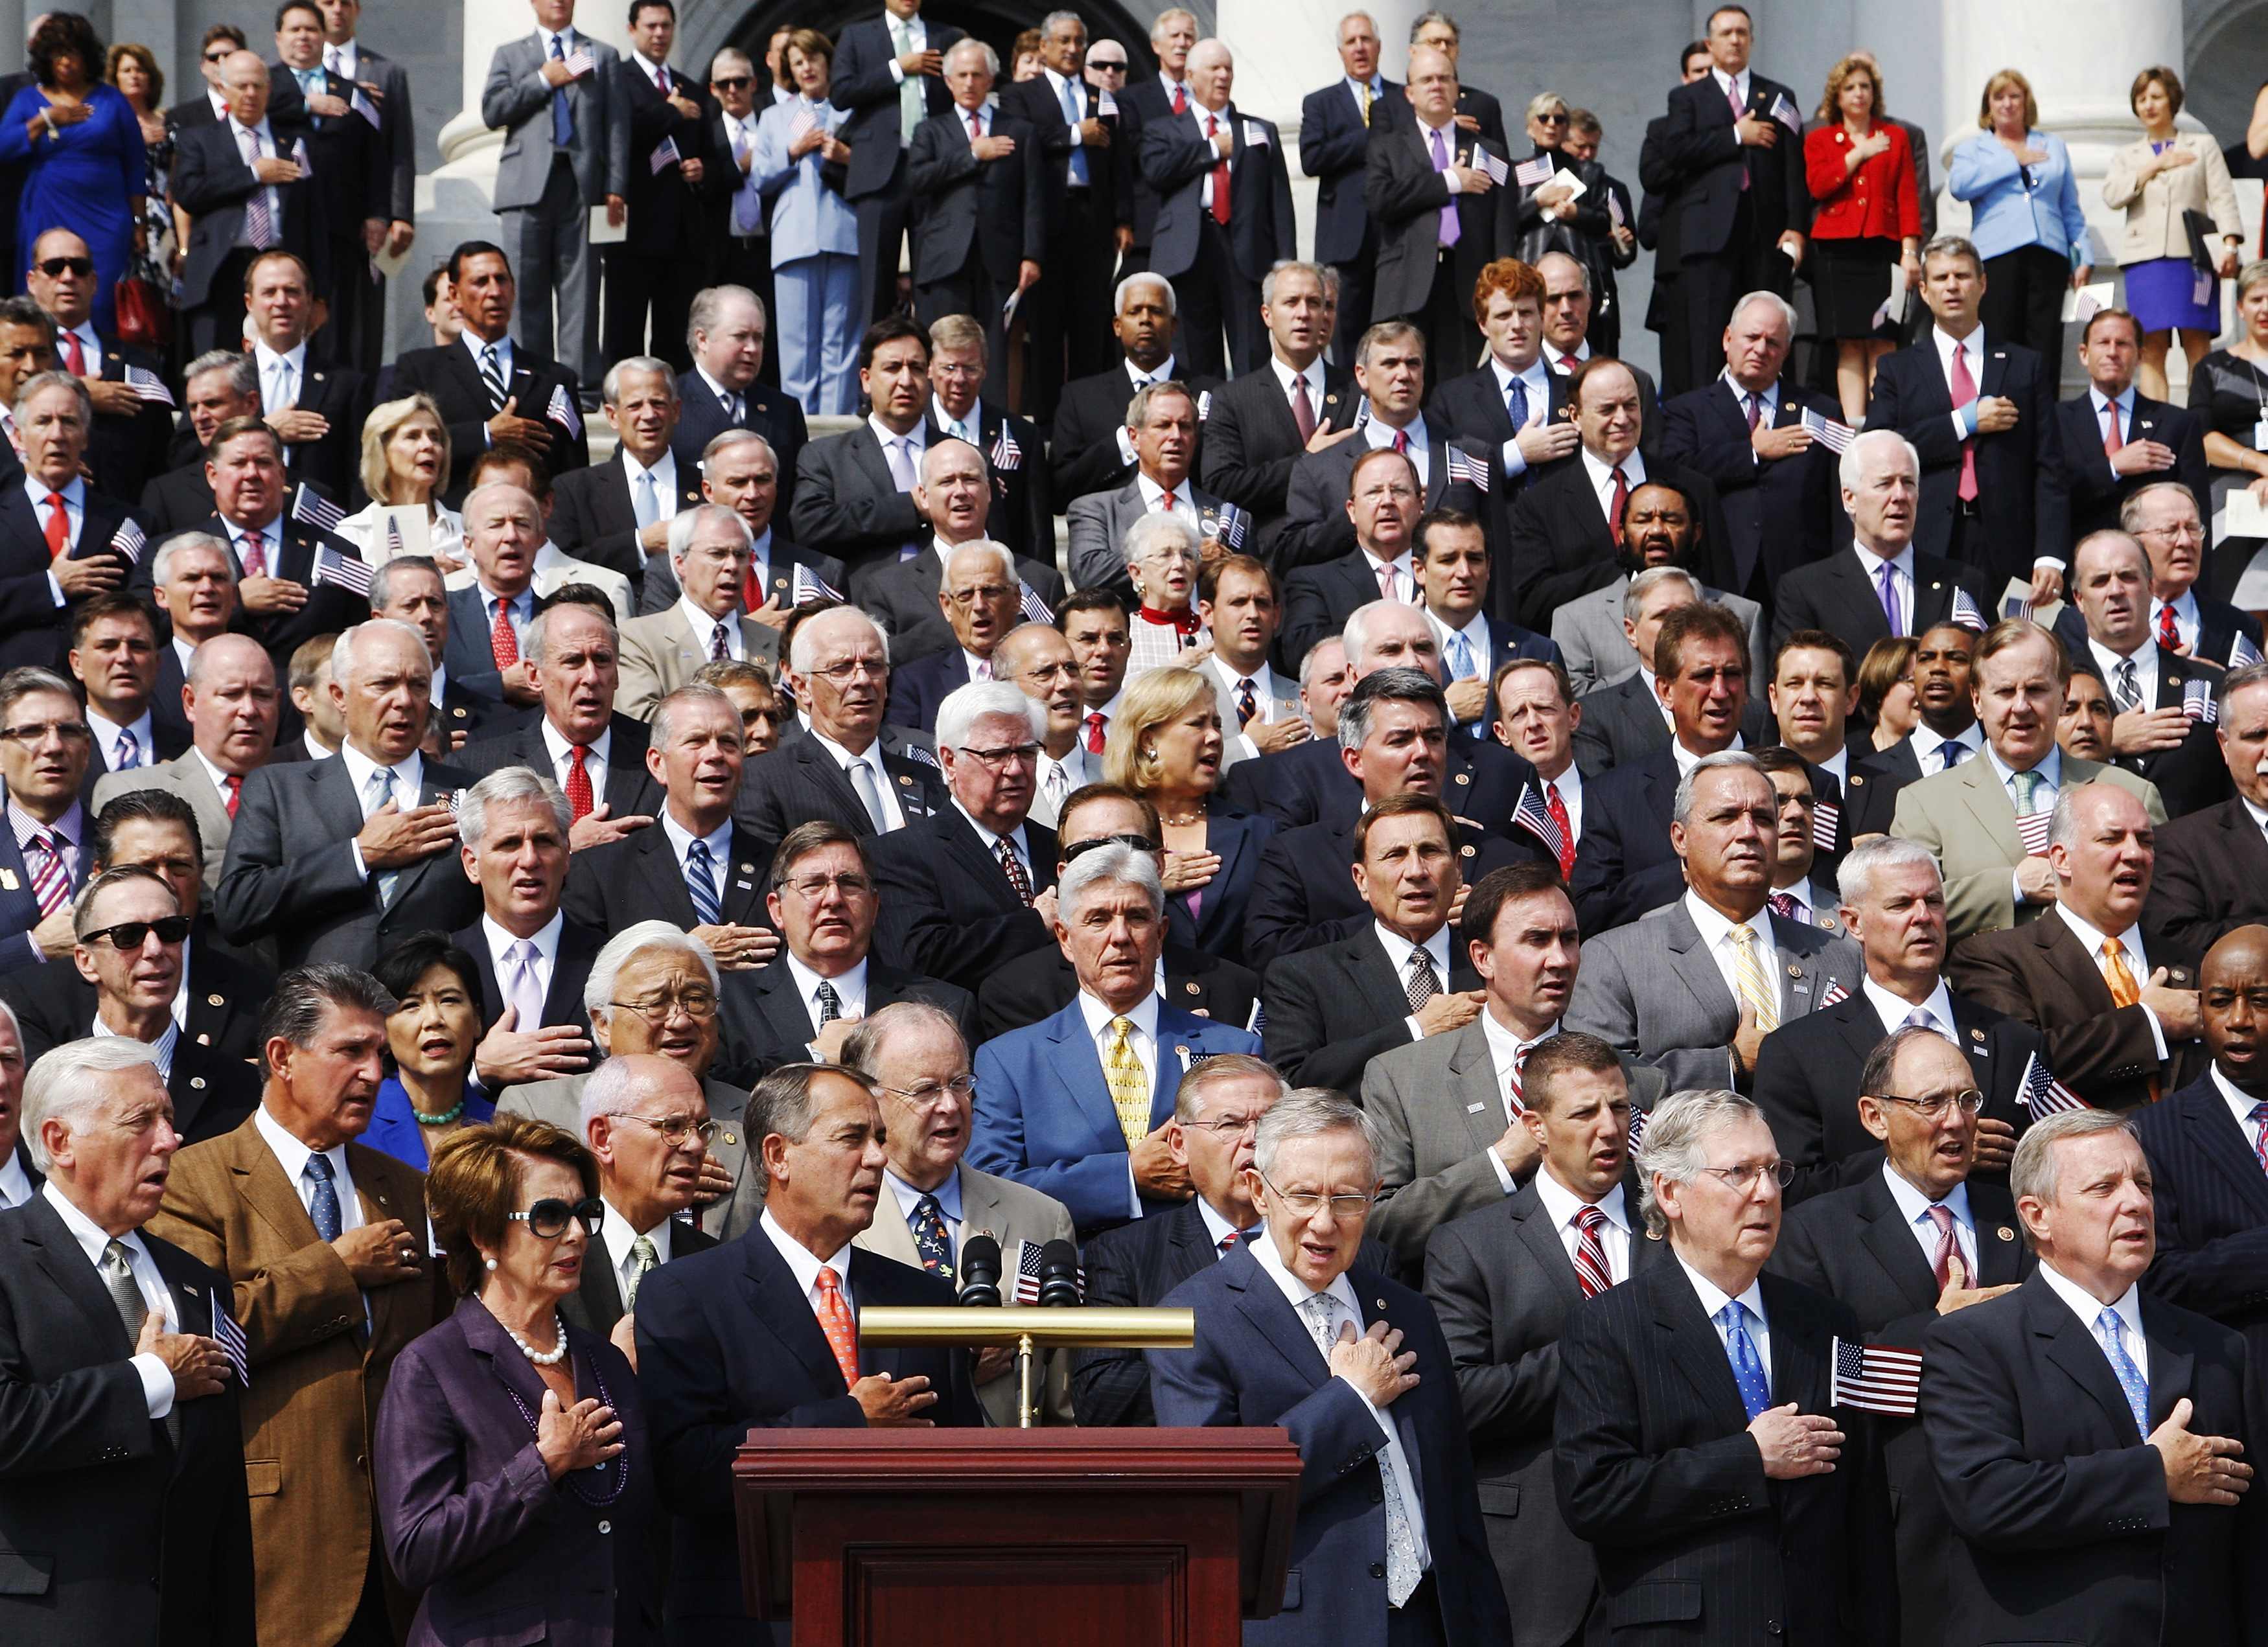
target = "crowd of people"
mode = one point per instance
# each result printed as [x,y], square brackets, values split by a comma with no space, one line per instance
[1248,765]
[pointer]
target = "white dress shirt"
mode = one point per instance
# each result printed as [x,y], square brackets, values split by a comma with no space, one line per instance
[93,1240]
[718,841]
[1263,702]
[1714,1298]
[1377,434]
[292,1156]
[2087,1307]
[501,942]
[1478,639]
[1602,475]
[1767,400]
[665,483]
[283,378]
[1972,352]
[74,496]
[2103,405]
[1507,1052]
[968,427]
[1537,380]
[1686,759]
[1017,843]
[1141,1041]
[1913,1206]
[563,757]
[2130,943]
[1927,745]
[949,1207]
[1563,1205]
[1153,499]
[2239,1108]
[107,731]
[804,1265]
[1313,377]
[1717,937]
[409,784]
[265,139]
[704,629]
[893,816]
[1732,87]
[15,1182]
[850,988]
[1895,1010]
[474,346]
[1399,950]
[619,1238]
[2145,658]
[1569,785]
[169,1038]
[1902,580]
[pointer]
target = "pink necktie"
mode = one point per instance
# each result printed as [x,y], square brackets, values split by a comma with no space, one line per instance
[1450,227]
[1733,97]
[255,555]
[1964,394]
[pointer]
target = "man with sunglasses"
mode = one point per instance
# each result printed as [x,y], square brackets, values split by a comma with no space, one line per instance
[1918,1095]
[45,743]
[131,433]
[739,218]
[129,930]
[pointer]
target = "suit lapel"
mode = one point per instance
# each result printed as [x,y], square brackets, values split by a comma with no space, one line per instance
[2216,1137]
[1885,1235]
[1532,1228]
[1264,1304]
[1980,791]
[1473,1085]
[2074,1347]
[769,1286]
[1689,960]
[1796,1363]
[1078,1069]
[1690,1342]
[41,1228]
[2173,1365]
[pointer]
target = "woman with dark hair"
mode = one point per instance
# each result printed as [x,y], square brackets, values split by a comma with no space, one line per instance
[86,166]
[513,1472]
[1886,690]
[429,1038]
[134,71]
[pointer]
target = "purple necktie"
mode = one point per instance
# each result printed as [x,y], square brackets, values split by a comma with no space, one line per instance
[1450,227]
[1886,580]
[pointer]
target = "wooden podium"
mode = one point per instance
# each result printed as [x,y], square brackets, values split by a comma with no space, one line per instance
[969,1538]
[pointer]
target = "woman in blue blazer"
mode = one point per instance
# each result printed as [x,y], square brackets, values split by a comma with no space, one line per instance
[429,1038]
[798,166]
[2026,220]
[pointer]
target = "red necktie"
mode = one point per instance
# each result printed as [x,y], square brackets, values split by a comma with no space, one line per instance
[752,591]
[74,357]
[58,528]
[2169,634]
[1614,508]
[1964,394]
[1095,722]
[976,127]
[1591,1252]
[1557,808]
[835,1322]
[255,555]
[2110,439]
[1303,409]
[1181,99]
[1219,176]
[235,792]
[504,645]
[1228,1242]
[1401,441]
[579,799]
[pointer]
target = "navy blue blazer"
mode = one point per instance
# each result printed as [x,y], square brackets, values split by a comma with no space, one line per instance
[1254,1362]
[19,907]
[1335,150]
[1309,783]
[1043,1115]
[2097,491]
[1217,926]
[1627,866]
[2212,1211]
[918,689]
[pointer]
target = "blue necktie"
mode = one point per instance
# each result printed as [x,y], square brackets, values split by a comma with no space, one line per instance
[1741,1350]
[1515,402]
[1461,658]
[1078,154]
[562,118]
[323,1202]
[2111,1330]
[930,1237]
[701,881]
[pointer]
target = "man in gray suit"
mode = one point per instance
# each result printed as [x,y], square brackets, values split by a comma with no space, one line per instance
[231,698]
[1693,989]
[1591,630]
[1451,1112]
[1161,420]
[566,120]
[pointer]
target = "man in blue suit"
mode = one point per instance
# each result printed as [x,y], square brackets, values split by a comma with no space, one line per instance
[44,849]
[1076,1105]
[1291,1330]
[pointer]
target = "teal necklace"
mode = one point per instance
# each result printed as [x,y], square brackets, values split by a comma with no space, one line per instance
[441,1120]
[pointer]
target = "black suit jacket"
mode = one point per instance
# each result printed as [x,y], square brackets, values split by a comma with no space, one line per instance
[637,878]
[329,609]
[767,1025]
[1471,405]
[1318,528]
[2212,1211]
[1559,545]
[593,519]
[1700,213]
[1134,1265]
[1331,1010]
[2212,877]
[1335,150]
[226,995]
[126,450]
[596,1303]
[1175,159]
[1303,892]
[1405,198]
[33,630]
[469,654]
[213,184]
[1090,414]
[571,970]
[2191,776]
[179,500]
[1252,443]
[1655,1468]
[352,162]
[2096,492]
[1111,173]
[90,1487]
[2023,508]
[452,378]
[700,418]
[919,688]
[864,86]
[2219,627]
[666,216]
[1627,865]
[1874,780]
[212,1093]
[1779,515]
[339,394]
[847,504]
[1309,783]
[1041,984]
[946,910]
[799,781]
[902,595]
[625,787]
[987,214]
[1835,594]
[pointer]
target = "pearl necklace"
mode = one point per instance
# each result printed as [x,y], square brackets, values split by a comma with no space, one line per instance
[551,1357]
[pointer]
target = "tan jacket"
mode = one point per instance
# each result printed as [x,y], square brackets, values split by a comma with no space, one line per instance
[2153,209]
[310,1406]
[658,656]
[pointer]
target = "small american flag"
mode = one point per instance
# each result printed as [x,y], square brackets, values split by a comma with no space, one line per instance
[664,156]
[801,123]
[1826,820]
[1204,404]
[809,585]
[128,540]
[560,410]
[2197,701]
[2032,830]
[1614,209]
[1528,173]
[580,62]
[1835,436]
[1875,1378]
[1231,525]
[234,1344]
[1637,1125]
[2042,1094]
[2016,606]
[148,385]
[299,158]
[1966,611]
[1007,454]
[2243,654]
[350,572]
[1833,992]
[1027,1273]
[1036,610]
[1466,467]
[394,545]
[1531,815]
[311,508]
[1787,115]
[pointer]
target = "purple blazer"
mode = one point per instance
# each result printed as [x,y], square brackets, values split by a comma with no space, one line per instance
[472,1520]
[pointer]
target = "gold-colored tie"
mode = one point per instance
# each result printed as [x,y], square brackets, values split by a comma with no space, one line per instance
[1130,1093]
[1756,988]
[1365,103]
[2125,991]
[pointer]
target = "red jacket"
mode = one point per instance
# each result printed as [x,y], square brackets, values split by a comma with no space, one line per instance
[1878,200]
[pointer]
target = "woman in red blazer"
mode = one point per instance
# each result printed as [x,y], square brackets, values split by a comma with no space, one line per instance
[1862,170]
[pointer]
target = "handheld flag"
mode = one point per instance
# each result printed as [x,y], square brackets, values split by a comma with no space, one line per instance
[1027,1273]
[2243,654]
[562,411]
[1005,453]
[1230,525]
[1528,173]
[2197,701]
[1787,115]
[234,1344]
[664,156]
[1875,1378]
[2033,831]
[1531,815]
[350,572]
[1833,992]
[1462,466]
[1837,437]
[808,586]
[2042,1094]
[148,385]
[1966,613]
[311,508]
[1826,820]
[580,62]
[128,540]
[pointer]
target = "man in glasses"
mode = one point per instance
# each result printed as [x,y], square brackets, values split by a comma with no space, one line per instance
[1037,659]
[213,50]
[1708,1358]
[1892,903]
[709,550]
[909,597]
[648,1123]
[914,1057]
[2164,516]
[1917,1095]
[1294,1327]
[739,226]
[979,595]
[131,434]
[130,927]
[44,851]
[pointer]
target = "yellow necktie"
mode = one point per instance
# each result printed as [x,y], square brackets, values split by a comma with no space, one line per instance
[1365,103]
[1756,988]
[1130,1093]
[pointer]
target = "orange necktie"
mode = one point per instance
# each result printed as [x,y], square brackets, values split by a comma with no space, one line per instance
[835,1320]
[2124,991]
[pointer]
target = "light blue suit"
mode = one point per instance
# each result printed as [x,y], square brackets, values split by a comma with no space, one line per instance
[814,264]
[2007,216]
[1043,1115]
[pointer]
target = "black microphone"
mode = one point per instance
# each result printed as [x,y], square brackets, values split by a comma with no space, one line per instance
[1059,1273]
[980,1271]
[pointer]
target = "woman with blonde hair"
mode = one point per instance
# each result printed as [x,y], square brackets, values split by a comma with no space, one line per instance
[2162,180]
[405,463]
[1166,745]
[2026,221]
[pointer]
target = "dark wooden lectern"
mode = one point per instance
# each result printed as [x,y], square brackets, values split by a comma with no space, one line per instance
[969,1538]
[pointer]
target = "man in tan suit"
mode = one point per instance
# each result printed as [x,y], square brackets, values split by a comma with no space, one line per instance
[325,1243]
[1975,817]
[709,549]
[913,1056]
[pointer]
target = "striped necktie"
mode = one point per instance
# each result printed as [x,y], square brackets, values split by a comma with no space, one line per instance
[1755,990]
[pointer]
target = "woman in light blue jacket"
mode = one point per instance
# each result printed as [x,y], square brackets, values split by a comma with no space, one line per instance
[2027,223]
[797,165]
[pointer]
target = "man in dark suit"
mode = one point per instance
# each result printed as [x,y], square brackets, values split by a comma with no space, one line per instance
[45,852]
[2119,1026]
[1450,553]
[617,513]
[912,600]
[351,158]
[1775,479]
[1136,1265]
[239,206]
[113,658]
[380,95]
[1808,1070]
[1741,208]
[1293,1330]
[740,225]
[1015,490]
[739,470]
[2212,865]
[1223,214]
[488,618]
[2116,440]
[665,250]
[854,491]
[316,408]
[126,1450]
[332,859]
[217,386]
[647,1121]
[1382,502]
[2088,1438]
[1506,1279]
[1993,498]
[132,421]
[729,325]
[58,535]
[1919,1238]
[489,386]
[1335,149]
[889,76]
[1089,447]
[19,1178]
[2164,516]
[1945,731]
[410,588]
[761,1331]
[1694,1449]
[1514,402]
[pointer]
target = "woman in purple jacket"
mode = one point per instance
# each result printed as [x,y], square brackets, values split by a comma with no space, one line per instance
[515,1482]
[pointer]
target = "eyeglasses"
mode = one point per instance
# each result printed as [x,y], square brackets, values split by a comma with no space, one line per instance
[984,593]
[1560,119]
[547,1219]
[674,1129]
[1934,1106]
[170,928]
[700,1006]
[731,83]
[961,1089]
[1107,68]
[811,889]
[31,735]
[840,673]
[1065,671]
[1139,843]
[1225,1129]
[1744,1176]
[52,267]
[1307,1203]
[221,55]
[999,760]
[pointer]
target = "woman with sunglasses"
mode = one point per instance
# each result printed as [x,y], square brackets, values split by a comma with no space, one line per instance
[513,1469]
[429,1038]
[79,147]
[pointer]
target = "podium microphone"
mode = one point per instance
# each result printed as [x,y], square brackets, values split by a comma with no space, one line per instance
[1059,1274]
[980,1271]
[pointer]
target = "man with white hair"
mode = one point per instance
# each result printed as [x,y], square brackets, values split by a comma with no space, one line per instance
[1335,150]
[2091,1440]
[333,859]
[231,698]
[1295,1329]
[490,614]
[1884,585]
[1693,1435]
[192,582]
[124,1452]
[727,331]
[1774,478]
[1090,447]
[1119,1049]
[980,597]
[709,550]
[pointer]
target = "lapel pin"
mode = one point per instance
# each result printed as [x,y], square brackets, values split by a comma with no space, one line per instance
[319,377]
[1464,777]
[1795,971]
[1654,1235]
[197,1084]
[904,781]
[729,1138]
[1190,987]
[1858,779]
[214,1000]
[1378,1303]
[747,869]
[203,1039]
[1181,1051]
[8,881]
[1935,587]
[1976,1034]
[1466,850]
[2004,1234]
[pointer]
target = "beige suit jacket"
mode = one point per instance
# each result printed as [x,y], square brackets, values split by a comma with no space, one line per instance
[183,776]
[1966,818]
[1010,1212]
[2153,209]
[560,1102]
[659,654]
